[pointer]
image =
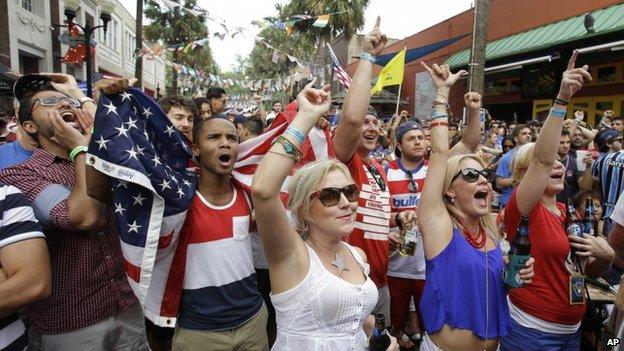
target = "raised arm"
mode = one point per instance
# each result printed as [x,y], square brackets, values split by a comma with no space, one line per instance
[469,142]
[284,248]
[433,218]
[349,130]
[535,180]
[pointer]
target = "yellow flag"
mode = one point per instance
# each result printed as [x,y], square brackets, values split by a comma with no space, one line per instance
[392,73]
[187,48]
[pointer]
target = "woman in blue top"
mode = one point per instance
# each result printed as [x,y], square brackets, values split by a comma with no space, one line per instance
[463,307]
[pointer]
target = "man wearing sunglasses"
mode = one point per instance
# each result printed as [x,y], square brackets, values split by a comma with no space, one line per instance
[91,305]
[406,274]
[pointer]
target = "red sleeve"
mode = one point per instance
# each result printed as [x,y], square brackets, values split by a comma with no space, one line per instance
[512,216]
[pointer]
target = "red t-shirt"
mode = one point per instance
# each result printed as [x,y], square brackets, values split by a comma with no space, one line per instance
[547,297]
[372,222]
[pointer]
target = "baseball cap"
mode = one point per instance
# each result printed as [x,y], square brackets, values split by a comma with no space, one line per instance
[605,136]
[240,118]
[401,130]
[29,82]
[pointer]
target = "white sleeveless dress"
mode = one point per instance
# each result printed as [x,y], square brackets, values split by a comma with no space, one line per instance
[324,312]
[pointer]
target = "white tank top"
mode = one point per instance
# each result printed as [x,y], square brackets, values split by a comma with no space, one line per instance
[324,312]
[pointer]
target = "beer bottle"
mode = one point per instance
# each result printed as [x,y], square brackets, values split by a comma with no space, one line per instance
[380,340]
[408,242]
[588,219]
[572,222]
[519,254]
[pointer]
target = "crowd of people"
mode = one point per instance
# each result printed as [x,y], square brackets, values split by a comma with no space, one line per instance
[312,272]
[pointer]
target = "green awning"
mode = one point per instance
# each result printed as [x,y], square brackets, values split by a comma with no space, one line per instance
[607,20]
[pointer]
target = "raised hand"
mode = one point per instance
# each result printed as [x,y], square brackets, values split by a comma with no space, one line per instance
[472,100]
[608,113]
[314,101]
[375,41]
[66,84]
[579,116]
[114,86]
[442,77]
[573,78]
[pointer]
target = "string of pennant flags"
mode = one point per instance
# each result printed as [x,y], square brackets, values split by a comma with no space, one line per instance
[304,68]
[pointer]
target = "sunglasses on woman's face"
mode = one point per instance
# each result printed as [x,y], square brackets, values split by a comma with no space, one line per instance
[471,175]
[331,196]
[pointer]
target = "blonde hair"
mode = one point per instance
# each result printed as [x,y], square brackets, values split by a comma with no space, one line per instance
[520,162]
[453,166]
[304,183]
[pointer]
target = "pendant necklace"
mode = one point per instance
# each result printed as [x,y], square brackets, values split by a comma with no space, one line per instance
[340,262]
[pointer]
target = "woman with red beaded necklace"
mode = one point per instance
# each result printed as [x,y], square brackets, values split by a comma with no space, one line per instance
[547,314]
[463,305]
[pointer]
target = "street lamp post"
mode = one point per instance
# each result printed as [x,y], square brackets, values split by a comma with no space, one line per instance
[107,7]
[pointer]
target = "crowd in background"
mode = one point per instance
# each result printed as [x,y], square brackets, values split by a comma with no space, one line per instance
[310,275]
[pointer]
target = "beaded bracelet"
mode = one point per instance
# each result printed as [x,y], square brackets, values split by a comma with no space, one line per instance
[368,57]
[558,112]
[443,103]
[438,124]
[295,133]
[288,146]
[282,154]
[77,150]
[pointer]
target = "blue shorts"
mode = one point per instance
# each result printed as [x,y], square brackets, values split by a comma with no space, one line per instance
[520,338]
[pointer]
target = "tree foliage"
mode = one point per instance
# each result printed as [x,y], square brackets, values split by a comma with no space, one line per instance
[349,17]
[260,64]
[171,26]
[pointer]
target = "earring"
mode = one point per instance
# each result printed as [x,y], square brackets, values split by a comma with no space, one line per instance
[452,200]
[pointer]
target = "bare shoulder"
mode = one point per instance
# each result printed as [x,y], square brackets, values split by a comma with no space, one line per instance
[362,253]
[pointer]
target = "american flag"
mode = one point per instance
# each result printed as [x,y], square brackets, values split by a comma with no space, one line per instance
[146,157]
[342,75]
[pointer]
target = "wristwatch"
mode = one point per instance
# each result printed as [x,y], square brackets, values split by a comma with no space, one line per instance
[85,99]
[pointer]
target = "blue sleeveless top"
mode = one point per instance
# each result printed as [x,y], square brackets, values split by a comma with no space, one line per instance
[455,290]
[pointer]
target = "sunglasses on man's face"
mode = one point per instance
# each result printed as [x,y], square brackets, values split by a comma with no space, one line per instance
[331,196]
[471,175]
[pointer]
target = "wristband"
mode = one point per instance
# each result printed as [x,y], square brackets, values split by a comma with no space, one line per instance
[368,57]
[437,114]
[296,133]
[561,102]
[558,112]
[77,150]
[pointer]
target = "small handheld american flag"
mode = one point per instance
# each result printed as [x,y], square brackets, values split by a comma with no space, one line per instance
[342,75]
